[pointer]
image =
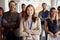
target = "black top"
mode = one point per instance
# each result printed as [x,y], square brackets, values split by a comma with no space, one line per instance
[15,18]
[59,23]
[52,26]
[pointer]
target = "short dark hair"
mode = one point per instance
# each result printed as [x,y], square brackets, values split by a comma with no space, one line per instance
[13,2]
[2,9]
[58,8]
[23,4]
[43,4]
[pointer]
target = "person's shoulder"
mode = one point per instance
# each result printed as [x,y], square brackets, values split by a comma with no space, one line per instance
[47,10]
[48,19]
[41,11]
[17,13]
[5,13]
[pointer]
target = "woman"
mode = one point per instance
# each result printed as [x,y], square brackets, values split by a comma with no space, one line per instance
[30,27]
[58,17]
[51,26]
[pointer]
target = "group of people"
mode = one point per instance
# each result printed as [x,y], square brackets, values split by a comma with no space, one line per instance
[26,26]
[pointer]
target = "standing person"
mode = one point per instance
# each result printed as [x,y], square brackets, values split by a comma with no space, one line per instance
[51,26]
[1,28]
[43,15]
[22,14]
[58,16]
[30,27]
[11,21]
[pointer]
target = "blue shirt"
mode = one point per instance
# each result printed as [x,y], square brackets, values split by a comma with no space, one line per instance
[0,20]
[44,14]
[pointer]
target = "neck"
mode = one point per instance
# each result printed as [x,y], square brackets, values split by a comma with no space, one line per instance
[44,10]
[30,17]
[12,11]
[52,18]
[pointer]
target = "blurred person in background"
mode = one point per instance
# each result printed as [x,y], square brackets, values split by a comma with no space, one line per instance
[1,27]
[43,14]
[10,22]
[58,16]
[51,25]
[22,14]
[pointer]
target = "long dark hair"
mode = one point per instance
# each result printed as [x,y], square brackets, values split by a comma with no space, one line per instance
[33,16]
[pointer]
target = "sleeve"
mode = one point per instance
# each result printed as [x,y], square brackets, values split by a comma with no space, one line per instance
[4,18]
[40,13]
[22,33]
[7,24]
[18,21]
[38,31]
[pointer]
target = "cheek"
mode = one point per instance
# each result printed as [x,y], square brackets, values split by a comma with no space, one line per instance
[28,12]
[32,12]
[0,12]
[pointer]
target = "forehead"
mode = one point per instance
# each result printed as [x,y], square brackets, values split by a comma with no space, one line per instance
[44,4]
[54,10]
[12,3]
[30,7]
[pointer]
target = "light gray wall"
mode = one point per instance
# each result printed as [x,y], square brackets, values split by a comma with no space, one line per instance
[2,4]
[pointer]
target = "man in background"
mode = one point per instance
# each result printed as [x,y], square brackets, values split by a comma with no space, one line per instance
[11,22]
[43,14]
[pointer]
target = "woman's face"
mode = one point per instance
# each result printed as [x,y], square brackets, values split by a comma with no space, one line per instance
[30,11]
[53,12]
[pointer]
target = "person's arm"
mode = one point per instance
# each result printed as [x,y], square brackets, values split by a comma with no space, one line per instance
[46,29]
[39,15]
[5,23]
[18,21]
[37,31]
[22,30]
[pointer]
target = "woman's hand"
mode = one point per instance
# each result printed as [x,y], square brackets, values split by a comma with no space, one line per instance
[53,35]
